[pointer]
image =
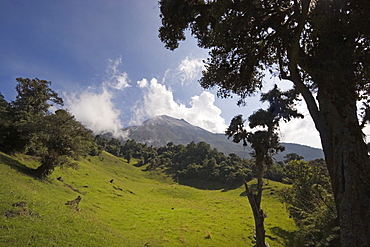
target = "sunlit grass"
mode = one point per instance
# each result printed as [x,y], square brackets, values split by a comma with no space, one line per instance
[123,206]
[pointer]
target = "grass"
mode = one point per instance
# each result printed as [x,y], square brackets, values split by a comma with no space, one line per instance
[136,209]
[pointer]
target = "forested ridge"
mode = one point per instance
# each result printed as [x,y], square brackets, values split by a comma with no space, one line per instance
[160,130]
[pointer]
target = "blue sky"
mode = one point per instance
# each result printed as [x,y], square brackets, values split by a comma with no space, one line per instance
[105,59]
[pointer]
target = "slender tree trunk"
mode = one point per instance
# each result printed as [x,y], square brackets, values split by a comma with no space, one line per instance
[258,214]
[348,164]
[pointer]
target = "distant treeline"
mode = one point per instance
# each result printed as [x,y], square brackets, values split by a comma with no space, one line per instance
[196,161]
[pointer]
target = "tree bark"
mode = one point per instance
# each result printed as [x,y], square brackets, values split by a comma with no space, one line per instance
[348,164]
[48,164]
[258,214]
[43,171]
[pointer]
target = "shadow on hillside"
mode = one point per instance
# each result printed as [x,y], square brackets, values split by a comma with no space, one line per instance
[287,236]
[197,183]
[16,165]
[207,185]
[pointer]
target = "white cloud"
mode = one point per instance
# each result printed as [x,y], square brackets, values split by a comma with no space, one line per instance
[158,100]
[95,108]
[301,131]
[117,79]
[190,69]
[96,111]
[142,83]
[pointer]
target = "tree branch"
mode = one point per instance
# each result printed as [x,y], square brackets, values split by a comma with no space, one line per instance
[294,55]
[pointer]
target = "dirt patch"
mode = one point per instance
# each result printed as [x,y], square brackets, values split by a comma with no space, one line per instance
[20,209]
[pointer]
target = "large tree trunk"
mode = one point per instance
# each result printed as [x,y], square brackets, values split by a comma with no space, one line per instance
[348,164]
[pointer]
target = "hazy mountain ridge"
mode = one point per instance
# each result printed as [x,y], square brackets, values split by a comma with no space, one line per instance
[160,130]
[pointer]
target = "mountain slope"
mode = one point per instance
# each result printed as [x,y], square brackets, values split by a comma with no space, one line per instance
[124,206]
[158,131]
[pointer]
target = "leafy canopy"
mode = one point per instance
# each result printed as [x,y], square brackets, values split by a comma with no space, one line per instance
[27,125]
[302,41]
[35,96]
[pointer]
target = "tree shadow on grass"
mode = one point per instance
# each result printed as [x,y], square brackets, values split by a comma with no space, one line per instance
[200,184]
[287,236]
[16,165]
[207,184]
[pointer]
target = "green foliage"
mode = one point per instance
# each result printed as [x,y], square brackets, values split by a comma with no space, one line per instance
[27,126]
[94,149]
[193,161]
[276,172]
[310,202]
[247,37]
[5,121]
[60,137]
[35,96]
[113,147]
[25,113]
[292,156]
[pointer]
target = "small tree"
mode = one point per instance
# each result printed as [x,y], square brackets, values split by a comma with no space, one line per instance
[128,155]
[265,144]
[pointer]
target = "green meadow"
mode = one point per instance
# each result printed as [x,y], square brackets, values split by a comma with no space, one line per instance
[122,205]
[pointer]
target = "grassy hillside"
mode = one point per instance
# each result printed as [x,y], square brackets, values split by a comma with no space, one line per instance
[137,209]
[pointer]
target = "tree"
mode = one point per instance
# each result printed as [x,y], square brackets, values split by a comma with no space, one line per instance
[322,47]
[27,125]
[128,155]
[265,144]
[311,204]
[114,147]
[4,105]
[60,138]
[35,96]
[5,121]
[292,156]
